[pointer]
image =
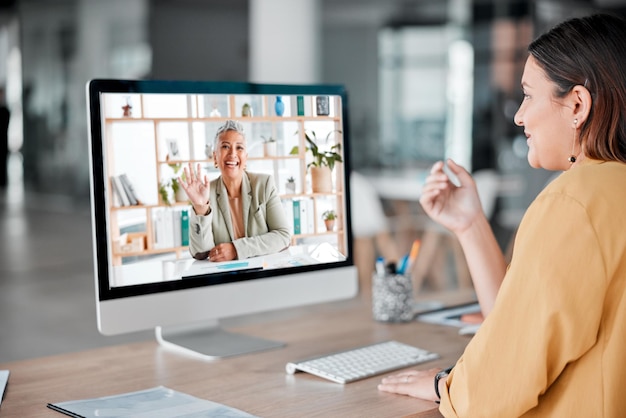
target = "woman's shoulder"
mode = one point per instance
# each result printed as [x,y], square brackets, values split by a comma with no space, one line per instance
[260,178]
[592,172]
[590,181]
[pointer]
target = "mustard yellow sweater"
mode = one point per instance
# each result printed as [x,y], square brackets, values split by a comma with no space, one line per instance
[555,343]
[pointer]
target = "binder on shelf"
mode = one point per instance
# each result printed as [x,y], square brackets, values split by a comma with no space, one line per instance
[307,221]
[171,227]
[184,227]
[177,237]
[296,217]
[288,209]
[158,228]
[310,218]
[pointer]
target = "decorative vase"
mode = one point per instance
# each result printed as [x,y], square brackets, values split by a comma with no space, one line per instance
[321,180]
[246,110]
[330,224]
[290,187]
[215,113]
[279,106]
[180,195]
[127,109]
[269,149]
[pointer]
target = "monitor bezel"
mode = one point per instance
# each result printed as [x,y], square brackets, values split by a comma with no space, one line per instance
[97,87]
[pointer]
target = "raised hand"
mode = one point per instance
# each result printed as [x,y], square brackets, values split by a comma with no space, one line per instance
[453,207]
[197,188]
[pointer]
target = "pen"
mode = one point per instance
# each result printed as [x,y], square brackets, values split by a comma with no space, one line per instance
[415,249]
[403,264]
[390,267]
[380,267]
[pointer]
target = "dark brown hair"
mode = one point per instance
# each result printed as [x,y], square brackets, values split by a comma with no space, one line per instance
[591,52]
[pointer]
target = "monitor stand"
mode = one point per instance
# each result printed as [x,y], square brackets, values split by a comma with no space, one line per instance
[210,341]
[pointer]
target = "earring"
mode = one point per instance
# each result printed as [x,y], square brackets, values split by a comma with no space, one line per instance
[572,158]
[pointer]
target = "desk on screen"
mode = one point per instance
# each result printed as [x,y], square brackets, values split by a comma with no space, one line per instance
[168,268]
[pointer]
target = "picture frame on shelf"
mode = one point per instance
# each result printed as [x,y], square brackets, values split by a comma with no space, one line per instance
[173,150]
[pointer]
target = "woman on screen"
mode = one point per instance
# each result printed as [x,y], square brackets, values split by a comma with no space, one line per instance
[552,344]
[239,214]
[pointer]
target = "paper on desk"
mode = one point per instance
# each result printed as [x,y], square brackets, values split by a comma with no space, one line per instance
[4,379]
[158,402]
[201,267]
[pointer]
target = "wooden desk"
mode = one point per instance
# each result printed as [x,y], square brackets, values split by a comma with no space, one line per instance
[256,383]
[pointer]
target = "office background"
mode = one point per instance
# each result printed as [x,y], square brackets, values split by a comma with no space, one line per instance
[426,79]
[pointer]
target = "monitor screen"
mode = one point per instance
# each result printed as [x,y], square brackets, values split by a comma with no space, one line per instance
[288,218]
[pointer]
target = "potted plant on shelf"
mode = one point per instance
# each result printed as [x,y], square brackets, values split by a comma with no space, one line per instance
[290,186]
[329,217]
[170,190]
[269,146]
[323,162]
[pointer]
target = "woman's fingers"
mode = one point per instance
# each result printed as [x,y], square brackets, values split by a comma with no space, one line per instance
[459,171]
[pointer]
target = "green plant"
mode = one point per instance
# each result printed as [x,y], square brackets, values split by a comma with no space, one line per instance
[164,191]
[268,139]
[329,215]
[291,180]
[320,158]
[175,185]
[171,184]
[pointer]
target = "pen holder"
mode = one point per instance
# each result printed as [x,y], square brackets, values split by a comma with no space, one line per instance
[392,298]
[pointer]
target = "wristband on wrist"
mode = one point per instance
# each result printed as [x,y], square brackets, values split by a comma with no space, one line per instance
[438,377]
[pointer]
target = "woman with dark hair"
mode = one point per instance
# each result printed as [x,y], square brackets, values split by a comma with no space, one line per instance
[553,341]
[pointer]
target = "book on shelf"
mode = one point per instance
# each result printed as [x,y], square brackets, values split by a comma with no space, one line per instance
[123,191]
[129,189]
[302,106]
[119,192]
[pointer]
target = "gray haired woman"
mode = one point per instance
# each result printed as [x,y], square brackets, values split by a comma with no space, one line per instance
[239,214]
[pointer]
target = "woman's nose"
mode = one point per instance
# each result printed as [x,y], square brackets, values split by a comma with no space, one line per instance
[517,118]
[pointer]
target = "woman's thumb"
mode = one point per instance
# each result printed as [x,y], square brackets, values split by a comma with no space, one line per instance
[457,174]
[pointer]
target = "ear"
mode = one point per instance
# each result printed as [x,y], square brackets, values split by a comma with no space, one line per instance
[581,103]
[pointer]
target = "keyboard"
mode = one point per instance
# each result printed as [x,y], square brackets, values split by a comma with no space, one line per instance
[359,363]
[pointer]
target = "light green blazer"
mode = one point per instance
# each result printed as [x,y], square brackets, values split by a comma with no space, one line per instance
[266,227]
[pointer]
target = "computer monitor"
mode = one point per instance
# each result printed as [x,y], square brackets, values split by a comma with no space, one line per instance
[142,133]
